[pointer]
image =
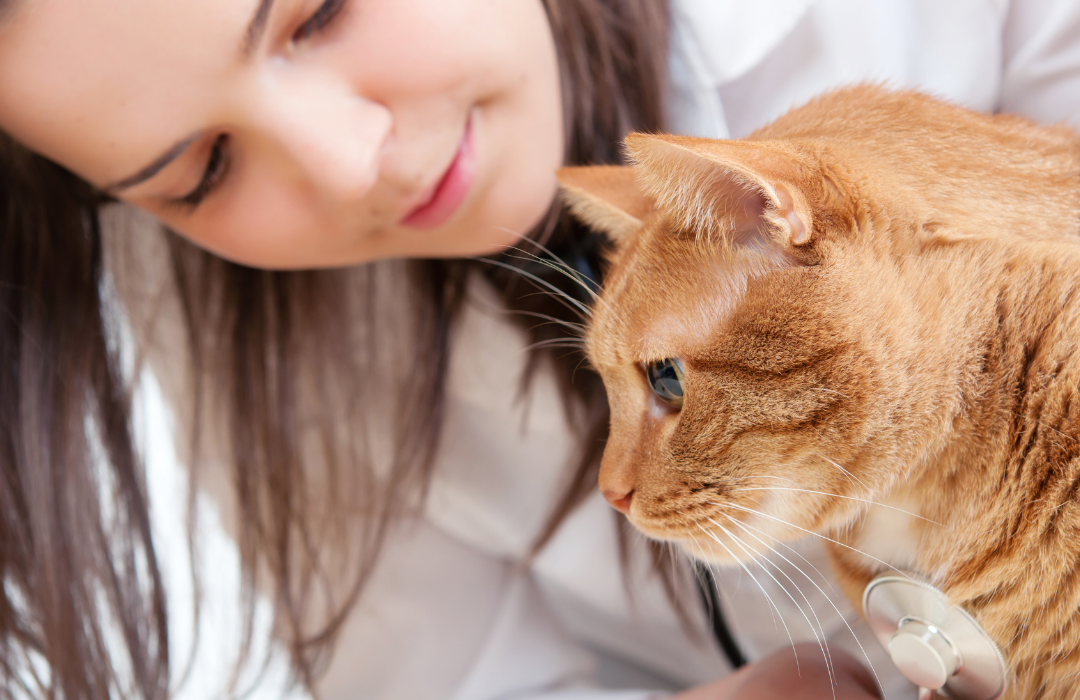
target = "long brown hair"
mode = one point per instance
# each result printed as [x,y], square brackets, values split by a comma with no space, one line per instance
[76,555]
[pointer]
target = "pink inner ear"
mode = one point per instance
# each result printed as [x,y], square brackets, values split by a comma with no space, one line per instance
[799,232]
[727,190]
[748,213]
[746,209]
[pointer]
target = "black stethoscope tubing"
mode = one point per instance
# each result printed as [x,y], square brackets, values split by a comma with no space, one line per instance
[721,632]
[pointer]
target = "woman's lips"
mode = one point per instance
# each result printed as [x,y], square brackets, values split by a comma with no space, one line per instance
[451,190]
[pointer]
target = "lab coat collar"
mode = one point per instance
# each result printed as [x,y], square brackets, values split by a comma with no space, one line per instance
[735,35]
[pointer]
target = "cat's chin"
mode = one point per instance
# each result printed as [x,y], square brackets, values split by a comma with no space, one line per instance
[715,538]
[723,548]
[720,558]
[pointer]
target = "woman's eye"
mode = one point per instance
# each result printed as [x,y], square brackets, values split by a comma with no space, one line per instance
[667,382]
[323,16]
[217,166]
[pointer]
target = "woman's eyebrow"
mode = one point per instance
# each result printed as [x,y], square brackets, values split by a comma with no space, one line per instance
[154,168]
[252,37]
[256,28]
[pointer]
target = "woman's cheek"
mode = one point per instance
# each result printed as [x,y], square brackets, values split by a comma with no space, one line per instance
[269,231]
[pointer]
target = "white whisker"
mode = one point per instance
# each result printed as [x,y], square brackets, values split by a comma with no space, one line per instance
[702,584]
[557,343]
[756,477]
[773,610]
[815,534]
[763,560]
[787,547]
[836,495]
[846,472]
[746,527]
[555,261]
[560,265]
[819,638]
[779,614]
[564,298]
[551,319]
[550,252]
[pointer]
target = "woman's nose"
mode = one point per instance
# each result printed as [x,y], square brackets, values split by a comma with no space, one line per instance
[331,136]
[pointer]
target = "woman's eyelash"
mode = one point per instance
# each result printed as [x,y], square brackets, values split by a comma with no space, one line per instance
[216,168]
[323,16]
[218,164]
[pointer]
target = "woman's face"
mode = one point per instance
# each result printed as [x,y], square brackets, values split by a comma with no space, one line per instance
[298,133]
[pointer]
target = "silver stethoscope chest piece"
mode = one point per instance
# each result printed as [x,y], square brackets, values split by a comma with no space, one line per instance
[937,646]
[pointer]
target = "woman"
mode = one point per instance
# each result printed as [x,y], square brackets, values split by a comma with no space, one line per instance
[385,454]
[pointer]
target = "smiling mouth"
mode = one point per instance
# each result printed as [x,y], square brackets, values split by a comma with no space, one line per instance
[448,194]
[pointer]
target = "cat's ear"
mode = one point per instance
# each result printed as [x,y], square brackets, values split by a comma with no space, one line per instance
[607,198]
[736,189]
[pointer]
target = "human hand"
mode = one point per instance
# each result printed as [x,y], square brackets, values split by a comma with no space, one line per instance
[778,677]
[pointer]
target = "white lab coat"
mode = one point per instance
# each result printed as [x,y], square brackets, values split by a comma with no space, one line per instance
[451,613]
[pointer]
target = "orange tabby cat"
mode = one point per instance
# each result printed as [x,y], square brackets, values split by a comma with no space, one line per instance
[874,300]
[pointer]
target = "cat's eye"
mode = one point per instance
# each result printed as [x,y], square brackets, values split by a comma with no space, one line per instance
[666,380]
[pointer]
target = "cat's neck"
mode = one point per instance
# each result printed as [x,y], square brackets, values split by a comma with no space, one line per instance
[1019,329]
[1013,364]
[1005,459]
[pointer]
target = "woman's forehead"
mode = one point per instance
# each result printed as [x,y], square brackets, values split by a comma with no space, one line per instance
[78,79]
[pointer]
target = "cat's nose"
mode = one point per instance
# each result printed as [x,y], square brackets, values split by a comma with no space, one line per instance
[619,500]
[617,479]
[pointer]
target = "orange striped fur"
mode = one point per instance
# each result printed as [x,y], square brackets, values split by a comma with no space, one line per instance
[876,303]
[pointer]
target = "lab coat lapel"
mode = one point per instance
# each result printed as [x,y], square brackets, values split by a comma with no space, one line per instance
[735,35]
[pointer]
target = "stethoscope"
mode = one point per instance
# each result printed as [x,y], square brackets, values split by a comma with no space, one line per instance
[939,647]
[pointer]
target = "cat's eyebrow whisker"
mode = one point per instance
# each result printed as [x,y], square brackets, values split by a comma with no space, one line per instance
[544,292]
[811,532]
[819,638]
[564,298]
[560,265]
[555,343]
[555,265]
[779,614]
[836,495]
[570,271]
[536,314]
[809,578]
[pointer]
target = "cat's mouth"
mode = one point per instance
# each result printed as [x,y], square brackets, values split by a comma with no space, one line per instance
[722,531]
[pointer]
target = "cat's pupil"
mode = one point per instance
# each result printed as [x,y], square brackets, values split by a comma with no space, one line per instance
[666,380]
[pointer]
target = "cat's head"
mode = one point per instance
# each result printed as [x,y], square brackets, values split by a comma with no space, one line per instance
[751,336]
